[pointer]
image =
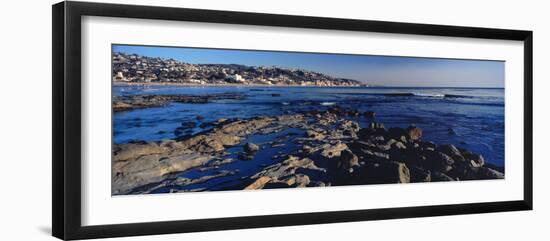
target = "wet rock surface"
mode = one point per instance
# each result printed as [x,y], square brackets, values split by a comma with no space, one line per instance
[323,148]
[130,102]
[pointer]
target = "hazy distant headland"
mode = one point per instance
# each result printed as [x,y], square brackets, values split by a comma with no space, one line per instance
[136,69]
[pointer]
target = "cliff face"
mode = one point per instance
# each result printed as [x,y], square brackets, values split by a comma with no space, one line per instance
[135,68]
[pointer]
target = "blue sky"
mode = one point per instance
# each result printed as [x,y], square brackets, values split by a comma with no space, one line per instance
[379,70]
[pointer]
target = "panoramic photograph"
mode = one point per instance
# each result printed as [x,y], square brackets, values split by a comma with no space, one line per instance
[202,119]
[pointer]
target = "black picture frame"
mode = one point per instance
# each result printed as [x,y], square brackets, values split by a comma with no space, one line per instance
[66,58]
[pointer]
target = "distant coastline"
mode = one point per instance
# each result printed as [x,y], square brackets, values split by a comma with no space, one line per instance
[143,69]
[125,83]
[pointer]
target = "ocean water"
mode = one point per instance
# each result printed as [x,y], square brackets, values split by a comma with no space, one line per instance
[466,117]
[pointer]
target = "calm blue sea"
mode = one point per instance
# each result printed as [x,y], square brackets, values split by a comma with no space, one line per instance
[468,118]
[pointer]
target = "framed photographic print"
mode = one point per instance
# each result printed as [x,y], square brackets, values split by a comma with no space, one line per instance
[170,120]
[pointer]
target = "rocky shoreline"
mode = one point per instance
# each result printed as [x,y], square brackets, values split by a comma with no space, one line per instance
[130,102]
[330,149]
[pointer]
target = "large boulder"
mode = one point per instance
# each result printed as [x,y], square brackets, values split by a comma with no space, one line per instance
[251,148]
[419,174]
[385,172]
[347,161]
[438,161]
[451,151]
[474,160]
[427,145]
[397,133]
[414,133]
[374,129]
[488,173]
[462,171]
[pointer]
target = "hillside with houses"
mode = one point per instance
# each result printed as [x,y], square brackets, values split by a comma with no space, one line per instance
[143,69]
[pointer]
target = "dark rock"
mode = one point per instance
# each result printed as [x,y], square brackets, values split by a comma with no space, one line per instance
[396,133]
[179,131]
[311,112]
[251,148]
[182,137]
[200,117]
[275,95]
[419,174]
[205,125]
[348,132]
[369,114]
[366,133]
[385,147]
[129,102]
[429,146]
[347,160]
[368,150]
[358,145]
[246,156]
[440,177]
[475,160]
[438,161]
[276,185]
[353,113]
[378,139]
[406,155]
[462,171]
[313,174]
[451,151]
[333,110]
[317,184]
[488,173]
[373,129]
[451,131]
[189,124]
[386,172]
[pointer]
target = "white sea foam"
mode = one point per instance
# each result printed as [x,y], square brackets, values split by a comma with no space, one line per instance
[435,95]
